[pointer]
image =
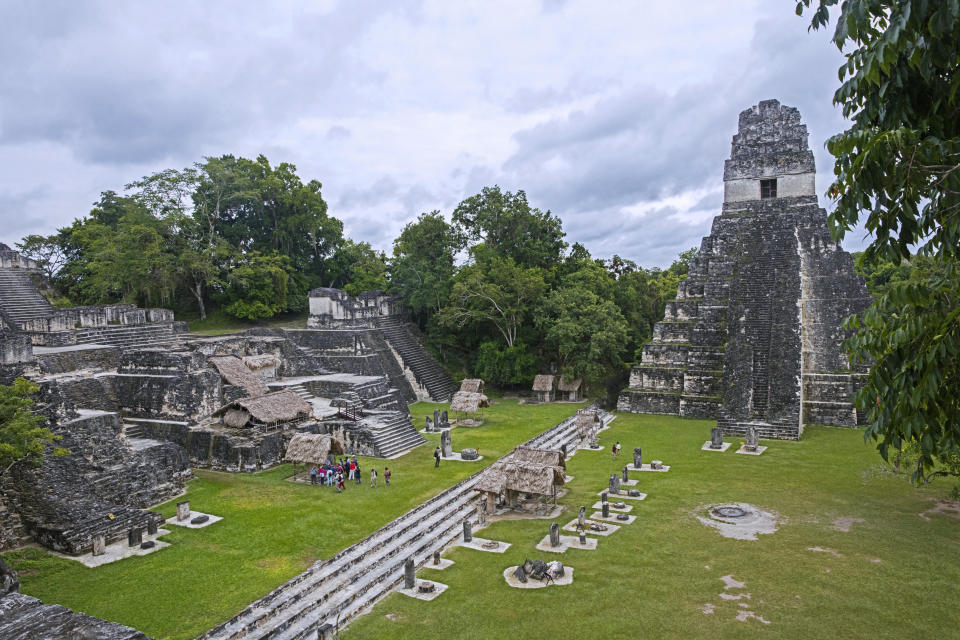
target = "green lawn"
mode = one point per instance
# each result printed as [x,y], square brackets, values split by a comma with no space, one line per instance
[219,323]
[894,575]
[273,529]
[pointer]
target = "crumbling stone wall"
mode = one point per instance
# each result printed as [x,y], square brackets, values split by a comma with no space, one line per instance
[99,488]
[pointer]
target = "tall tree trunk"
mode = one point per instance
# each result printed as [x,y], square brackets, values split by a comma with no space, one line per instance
[197,292]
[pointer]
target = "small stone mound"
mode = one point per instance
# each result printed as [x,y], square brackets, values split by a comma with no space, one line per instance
[199,519]
[469,454]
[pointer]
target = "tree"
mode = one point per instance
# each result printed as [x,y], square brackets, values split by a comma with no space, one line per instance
[22,438]
[256,288]
[585,332]
[508,226]
[897,169]
[50,252]
[423,266]
[494,290]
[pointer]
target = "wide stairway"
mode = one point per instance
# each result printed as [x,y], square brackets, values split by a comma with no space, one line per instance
[336,590]
[394,433]
[425,368]
[20,300]
[129,336]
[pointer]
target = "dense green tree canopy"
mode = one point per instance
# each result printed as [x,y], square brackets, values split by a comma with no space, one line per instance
[23,439]
[507,224]
[897,171]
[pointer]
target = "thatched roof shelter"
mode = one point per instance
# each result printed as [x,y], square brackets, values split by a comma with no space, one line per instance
[270,409]
[313,448]
[466,402]
[573,385]
[472,385]
[522,477]
[550,457]
[233,371]
[544,382]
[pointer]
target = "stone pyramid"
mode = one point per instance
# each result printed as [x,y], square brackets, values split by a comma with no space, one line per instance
[754,335]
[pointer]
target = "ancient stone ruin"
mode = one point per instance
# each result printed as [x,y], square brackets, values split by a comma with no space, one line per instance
[754,335]
[139,402]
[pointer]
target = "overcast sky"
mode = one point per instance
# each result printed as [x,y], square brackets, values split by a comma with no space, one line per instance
[617,117]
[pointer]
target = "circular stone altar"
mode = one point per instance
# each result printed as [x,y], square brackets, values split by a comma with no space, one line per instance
[729,512]
[739,520]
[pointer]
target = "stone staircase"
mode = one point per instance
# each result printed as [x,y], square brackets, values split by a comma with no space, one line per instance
[425,368]
[396,435]
[129,336]
[13,533]
[23,617]
[20,301]
[336,590]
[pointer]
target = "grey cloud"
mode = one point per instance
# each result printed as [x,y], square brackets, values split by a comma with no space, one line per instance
[645,144]
[16,223]
[337,132]
[138,82]
[528,99]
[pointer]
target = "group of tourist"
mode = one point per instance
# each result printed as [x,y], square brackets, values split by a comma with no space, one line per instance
[335,473]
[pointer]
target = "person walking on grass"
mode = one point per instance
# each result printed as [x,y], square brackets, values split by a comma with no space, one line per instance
[436,457]
[373,478]
[313,475]
[386,475]
[356,473]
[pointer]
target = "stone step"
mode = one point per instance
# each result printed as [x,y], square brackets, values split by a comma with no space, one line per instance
[369,569]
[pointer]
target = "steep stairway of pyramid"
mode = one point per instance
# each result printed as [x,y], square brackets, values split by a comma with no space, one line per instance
[427,371]
[20,301]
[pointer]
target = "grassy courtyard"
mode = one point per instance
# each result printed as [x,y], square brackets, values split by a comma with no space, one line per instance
[893,574]
[272,530]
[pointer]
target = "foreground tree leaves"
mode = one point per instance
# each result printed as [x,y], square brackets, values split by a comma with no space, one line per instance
[22,438]
[898,171]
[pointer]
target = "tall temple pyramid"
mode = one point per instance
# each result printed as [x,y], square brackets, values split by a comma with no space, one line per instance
[754,335]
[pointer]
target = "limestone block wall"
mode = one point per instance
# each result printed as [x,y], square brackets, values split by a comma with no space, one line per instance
[69,499]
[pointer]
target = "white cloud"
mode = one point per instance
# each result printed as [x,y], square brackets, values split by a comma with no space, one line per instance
[600,112]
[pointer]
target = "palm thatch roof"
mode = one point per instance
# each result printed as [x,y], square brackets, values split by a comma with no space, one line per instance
[544,382]
[233,371]
[472,385]
[466,402]
[551,457]
[573,385]
[525,477]
[313,448]
[270,409]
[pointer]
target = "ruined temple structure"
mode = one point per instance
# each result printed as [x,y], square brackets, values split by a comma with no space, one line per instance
[376,320]
[139,402]
[754,335]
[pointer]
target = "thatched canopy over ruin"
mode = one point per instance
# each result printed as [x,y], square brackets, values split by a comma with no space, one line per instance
[550,457]
[523,477]
[587,418]
[573,385]
[466,402]
[471,385]
[544,382]
[269,409]
[313,448]
[234,372]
